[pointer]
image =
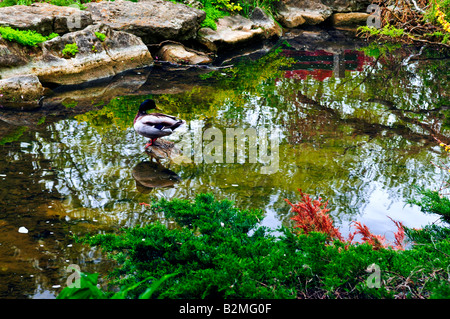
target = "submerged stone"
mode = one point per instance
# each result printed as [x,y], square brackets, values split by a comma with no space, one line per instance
[21,92]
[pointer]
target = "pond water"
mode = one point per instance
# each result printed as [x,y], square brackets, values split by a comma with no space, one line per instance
[341,119]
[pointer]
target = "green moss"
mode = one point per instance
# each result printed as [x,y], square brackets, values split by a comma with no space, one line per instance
[70,49]
[24,37]
[100,36]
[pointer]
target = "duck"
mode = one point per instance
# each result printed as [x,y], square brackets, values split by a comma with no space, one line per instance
[154,125]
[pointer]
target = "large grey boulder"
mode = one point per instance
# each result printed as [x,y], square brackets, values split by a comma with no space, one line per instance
[21,92]
[293,13]
[235,31]
[352,19]
[45,18]
[95,59]
[152,20]
[341,6]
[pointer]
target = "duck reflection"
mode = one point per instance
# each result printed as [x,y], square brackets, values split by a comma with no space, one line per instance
[149,175]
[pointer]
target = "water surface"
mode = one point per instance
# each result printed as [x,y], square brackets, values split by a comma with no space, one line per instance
[355,122]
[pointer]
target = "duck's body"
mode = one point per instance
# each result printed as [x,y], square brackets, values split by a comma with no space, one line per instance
[154,125]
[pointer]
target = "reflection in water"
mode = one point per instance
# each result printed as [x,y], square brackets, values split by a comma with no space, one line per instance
[346,136]
[321,64]
[149,175]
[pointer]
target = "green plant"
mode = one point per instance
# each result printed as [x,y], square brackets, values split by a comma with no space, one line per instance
[8,3]
[86,288]
[433,202]
[70,49]
[386,30]
[100,36]
[220,251]
[212,15]
[24,37]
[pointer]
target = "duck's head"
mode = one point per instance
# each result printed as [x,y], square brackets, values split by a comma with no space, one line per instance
[147,105]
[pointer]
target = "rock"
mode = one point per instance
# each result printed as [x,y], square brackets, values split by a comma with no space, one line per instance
[234,31]
[293,13]
[347,5]
[152,20]
[23,230]
[45,18]
[349,19]
[21,92]
[264,21]
[13,54]
[177,53]
[120,51]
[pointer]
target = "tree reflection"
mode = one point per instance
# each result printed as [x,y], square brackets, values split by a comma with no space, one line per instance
[345,138]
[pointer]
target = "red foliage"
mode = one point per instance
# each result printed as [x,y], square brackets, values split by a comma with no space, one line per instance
[377,241]
[312,215]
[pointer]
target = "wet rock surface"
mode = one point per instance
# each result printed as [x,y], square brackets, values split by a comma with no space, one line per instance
[21,92]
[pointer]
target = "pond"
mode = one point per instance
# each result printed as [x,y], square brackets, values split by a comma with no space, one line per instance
[339,118]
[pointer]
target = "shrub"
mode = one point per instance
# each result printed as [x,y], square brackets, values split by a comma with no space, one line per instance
[311,216]
[219,251]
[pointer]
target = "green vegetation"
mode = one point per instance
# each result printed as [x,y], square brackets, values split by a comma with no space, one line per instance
[212,15]
[8,3]
[387,30]
[86,288]
[429,24]
[70,49]
[100,36]
[13,136]
[27,37]
[433,202]
[220,251]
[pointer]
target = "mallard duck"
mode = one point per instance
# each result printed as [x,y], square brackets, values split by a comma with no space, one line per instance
[154,125]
